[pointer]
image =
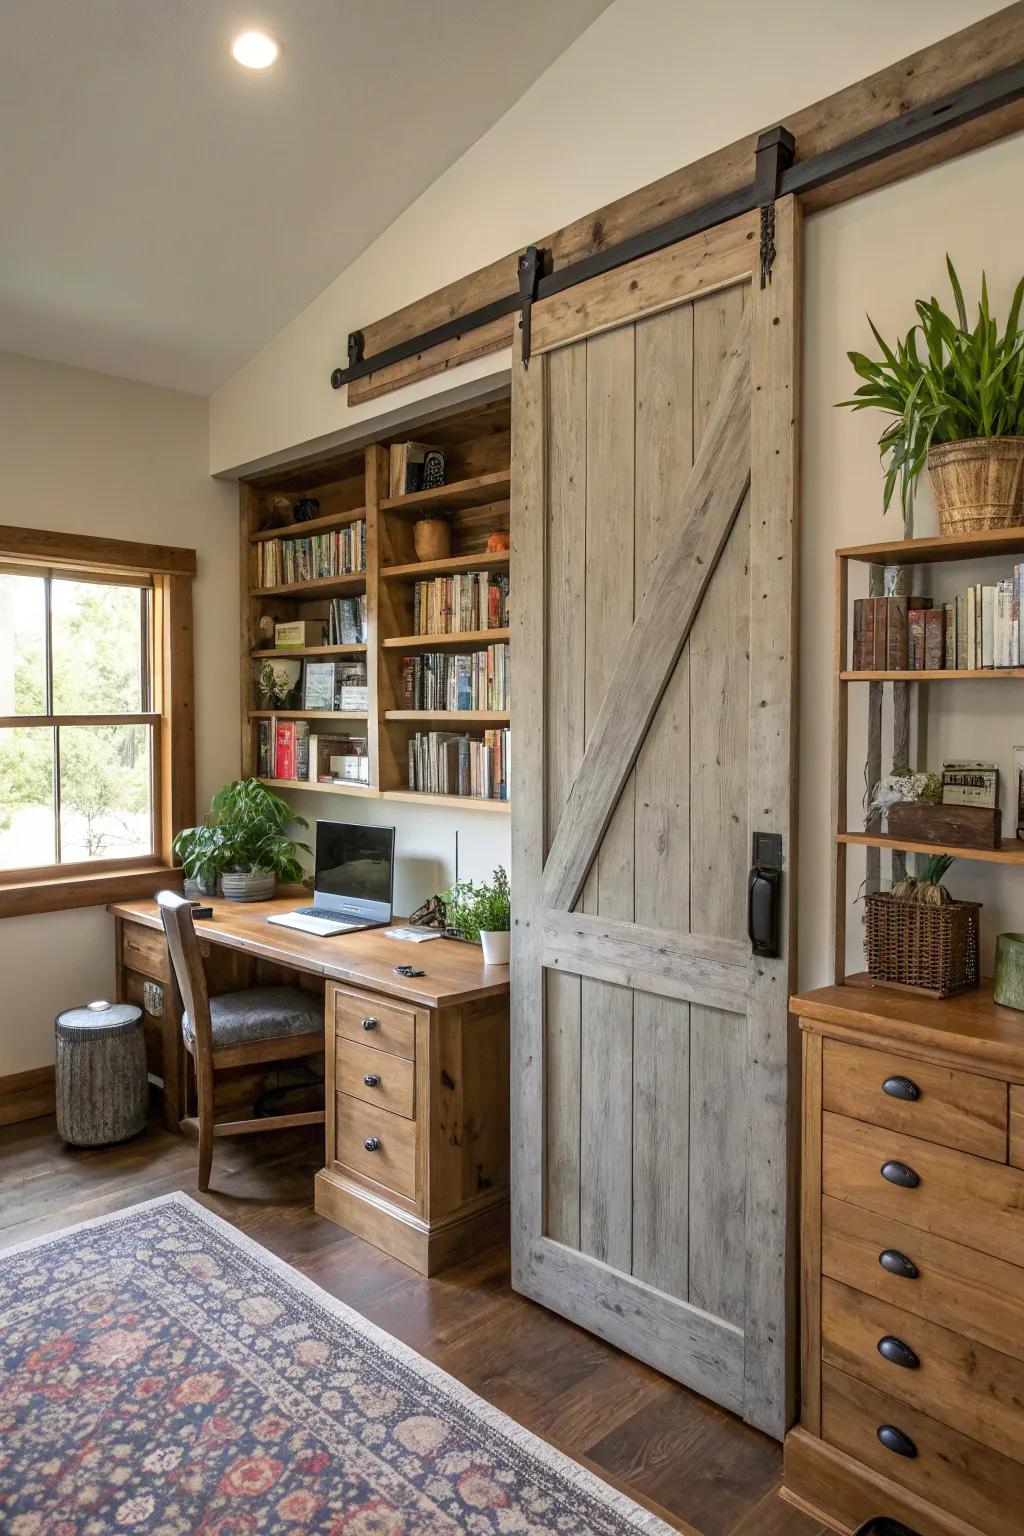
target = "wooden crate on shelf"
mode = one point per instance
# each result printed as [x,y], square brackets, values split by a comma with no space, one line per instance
[947,826]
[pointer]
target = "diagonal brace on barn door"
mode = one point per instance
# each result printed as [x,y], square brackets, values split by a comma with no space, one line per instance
[708,506]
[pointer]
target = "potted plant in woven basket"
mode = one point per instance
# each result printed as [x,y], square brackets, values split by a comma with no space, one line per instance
[917,936]
[956,397]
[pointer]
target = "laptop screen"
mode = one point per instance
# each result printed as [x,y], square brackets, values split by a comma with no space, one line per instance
[355,869]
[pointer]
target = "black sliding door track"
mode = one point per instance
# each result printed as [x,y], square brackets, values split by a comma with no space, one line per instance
[911,128]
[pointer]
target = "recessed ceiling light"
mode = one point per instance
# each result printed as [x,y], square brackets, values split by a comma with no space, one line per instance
[255,50]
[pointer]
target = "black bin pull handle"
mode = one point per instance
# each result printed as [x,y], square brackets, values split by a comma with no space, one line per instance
[897,1353]
[896,1263]
[899,1173]
[902,1088]
[896,1441]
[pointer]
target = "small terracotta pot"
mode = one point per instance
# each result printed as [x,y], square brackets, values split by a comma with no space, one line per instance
[432,537]
[978,483]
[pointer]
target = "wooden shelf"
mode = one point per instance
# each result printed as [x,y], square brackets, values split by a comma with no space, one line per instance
[310,650]
[961,546]
[467,716]
[458,802]
[471,638]
[1011,851]
[323,789]
[321,586]
[307,714]
[452,566]
[314,525]
[942,675]
[476,492]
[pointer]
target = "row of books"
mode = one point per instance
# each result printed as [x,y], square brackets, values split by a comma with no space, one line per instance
[289,749]
[341,552]
[285,683]
[457,605]
[443,763]
[976,630]
[439,680]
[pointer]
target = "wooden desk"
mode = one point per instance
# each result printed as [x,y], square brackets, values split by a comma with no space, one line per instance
[416,1068]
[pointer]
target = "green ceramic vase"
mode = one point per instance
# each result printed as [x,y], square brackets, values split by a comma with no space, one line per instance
[1009,985]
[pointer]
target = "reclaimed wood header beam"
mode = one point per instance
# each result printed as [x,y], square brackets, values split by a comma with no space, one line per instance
[983,50]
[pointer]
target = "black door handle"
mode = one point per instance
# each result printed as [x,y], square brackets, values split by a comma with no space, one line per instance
[901,1088]
[896,1441]
[763,894]
[899,1173]
[897,1353]
[897,1263]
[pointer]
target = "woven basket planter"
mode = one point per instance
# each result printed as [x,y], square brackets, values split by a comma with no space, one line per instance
[931,949]
[978,483]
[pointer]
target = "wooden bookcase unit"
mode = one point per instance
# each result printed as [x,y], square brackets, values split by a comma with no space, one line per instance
[354,485]
[1007,542]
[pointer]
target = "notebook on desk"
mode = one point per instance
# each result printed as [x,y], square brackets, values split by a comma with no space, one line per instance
[353,881]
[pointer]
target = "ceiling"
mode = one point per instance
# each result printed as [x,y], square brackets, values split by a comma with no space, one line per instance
[163,212]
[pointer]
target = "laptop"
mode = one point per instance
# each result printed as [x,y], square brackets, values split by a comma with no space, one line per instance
[353,881]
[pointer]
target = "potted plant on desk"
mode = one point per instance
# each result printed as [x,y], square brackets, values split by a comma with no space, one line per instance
[243,841]
[958,408]
[482,914]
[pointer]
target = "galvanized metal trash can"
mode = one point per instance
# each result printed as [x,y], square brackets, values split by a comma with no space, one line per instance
[102,1090]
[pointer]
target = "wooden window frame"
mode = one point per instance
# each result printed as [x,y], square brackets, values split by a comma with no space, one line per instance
[168,572]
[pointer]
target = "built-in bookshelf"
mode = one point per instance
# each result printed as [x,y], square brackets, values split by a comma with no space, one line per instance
[909,560]
[373,622]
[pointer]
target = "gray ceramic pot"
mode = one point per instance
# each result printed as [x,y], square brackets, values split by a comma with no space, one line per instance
[256,886]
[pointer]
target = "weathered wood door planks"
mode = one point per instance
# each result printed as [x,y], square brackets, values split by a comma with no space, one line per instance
[654,500]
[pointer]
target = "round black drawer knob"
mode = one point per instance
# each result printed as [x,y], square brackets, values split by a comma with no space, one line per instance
[370,1023]
[372,1143]
[897,1353]
[896,1441]
[899,1173]
[896,1263]
[371,1080]
[901,1088]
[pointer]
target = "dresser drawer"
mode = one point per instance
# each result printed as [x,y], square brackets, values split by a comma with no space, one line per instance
[974,1389]
[957,1287]
[957,1474]
[967,1199]
[391,1157]
[361,1016]
[955,1109]
[145,949]
[376,1077]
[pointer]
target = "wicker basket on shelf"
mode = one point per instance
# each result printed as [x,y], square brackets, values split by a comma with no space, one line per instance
[929,947]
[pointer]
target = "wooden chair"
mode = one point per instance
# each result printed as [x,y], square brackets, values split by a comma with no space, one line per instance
[237,1029]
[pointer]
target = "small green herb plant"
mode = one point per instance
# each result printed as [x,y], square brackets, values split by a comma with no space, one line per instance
[944,382]
[474,909]
[243,832]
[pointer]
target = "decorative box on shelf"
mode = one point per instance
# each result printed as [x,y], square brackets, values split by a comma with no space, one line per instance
[947,826]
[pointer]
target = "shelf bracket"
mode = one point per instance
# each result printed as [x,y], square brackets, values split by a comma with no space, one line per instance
[529,266]
[776,148]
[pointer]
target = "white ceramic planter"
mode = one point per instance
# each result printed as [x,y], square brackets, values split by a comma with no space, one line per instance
[248,887]
[496,947]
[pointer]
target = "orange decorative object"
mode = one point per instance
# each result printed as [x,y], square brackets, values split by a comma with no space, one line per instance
[497,542]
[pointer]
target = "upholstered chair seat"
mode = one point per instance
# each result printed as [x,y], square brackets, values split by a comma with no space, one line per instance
[261,1013]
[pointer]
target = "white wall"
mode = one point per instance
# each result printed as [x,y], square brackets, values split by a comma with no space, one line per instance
[652,85]
[86,453]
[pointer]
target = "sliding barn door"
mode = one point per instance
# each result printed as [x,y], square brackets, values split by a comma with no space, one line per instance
[654,538]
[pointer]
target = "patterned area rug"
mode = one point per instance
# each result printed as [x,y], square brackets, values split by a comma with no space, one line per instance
[160,1373]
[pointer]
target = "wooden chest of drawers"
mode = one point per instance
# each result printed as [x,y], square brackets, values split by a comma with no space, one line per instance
[417,1124]
[913,1263]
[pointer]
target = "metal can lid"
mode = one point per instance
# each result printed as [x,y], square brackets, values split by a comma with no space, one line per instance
[104,1019]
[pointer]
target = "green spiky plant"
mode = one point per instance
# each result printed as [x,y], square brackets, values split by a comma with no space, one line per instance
[968,383]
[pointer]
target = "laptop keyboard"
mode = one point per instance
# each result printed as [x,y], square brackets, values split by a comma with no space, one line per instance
[324,913]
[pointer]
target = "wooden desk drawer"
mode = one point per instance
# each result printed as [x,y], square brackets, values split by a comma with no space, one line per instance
[957,1287]
[368,1019]
[968,1386]
[956,1473]
[955,1109]
[391,1082]
[145,949]
[967,1199]
[392,1161]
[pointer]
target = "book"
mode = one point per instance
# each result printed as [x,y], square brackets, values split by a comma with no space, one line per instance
[949,631]
[318,685]
[971,614]
[916,639]
[988,618]
[284,759]
[859,604]
[934,640]
[439,680]
[406,467]
[896,633]
[880,633]
[961,631]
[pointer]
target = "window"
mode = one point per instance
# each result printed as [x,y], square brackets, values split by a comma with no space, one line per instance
[96,768]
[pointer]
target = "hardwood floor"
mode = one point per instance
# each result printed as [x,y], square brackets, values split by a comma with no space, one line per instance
[700,1468]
